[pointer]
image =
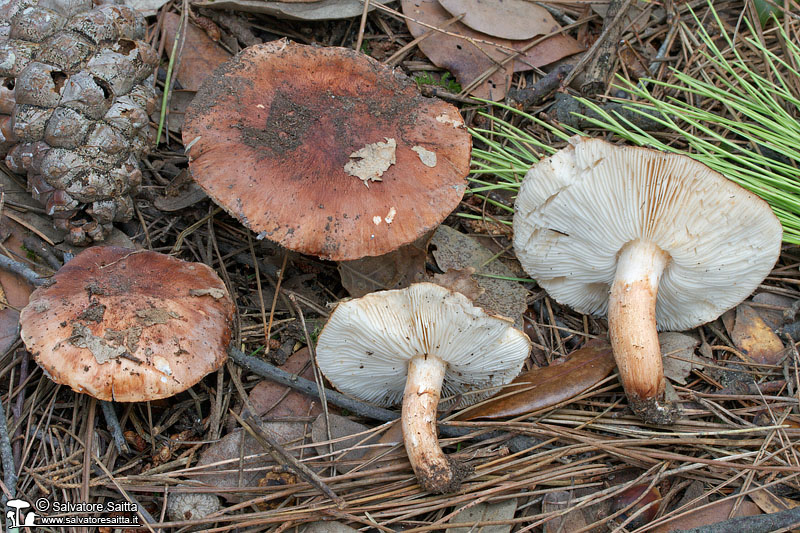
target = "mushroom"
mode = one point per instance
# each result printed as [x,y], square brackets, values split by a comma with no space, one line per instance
[325,150]
[656,240]
[191,505]
[414,344]
[128,325]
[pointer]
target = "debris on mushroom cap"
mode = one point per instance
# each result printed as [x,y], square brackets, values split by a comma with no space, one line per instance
[365,347]
[577,209]
[127,325]
[279,138]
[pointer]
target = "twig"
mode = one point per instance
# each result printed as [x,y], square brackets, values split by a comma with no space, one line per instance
[362,25]
[762,523]
[596,46]
[19,268]
[37,246]
[264,369]
[19,405]
[542,89]
[599,68]
[113,424]
[281,456]
[7,458]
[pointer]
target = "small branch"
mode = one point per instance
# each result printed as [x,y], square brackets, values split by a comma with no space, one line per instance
[602,62]
[762,523]
[21,269]
[7,457]
[113,424]
[264,369]
[542,89]
[281,456]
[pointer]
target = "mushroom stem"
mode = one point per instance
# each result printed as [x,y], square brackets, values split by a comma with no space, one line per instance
[632,330]
[435,472]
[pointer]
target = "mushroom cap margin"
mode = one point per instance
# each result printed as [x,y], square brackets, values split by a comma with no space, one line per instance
[142,302]
[272,130]
[365,347]
[577,208]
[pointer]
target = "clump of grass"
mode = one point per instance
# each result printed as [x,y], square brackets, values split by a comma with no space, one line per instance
[504,153]
[754,139]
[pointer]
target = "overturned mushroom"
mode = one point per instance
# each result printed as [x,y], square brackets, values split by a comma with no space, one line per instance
[325,150]
[414,344]
[654,239]
[127,325]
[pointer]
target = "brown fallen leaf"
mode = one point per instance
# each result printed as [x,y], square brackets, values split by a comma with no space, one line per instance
[550,385]
[200,55]
[468,61]
[772,503]
[774,318]
[646,509]
[716,512]
[455,251]
[395,270]
[754,338]
[295,10]
[561,500]
[341,427]
[508,19]
[460,280]
[677,351]
[271,401]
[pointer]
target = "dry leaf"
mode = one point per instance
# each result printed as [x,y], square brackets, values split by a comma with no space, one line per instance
[508,19]
[466,61]
[773,317]
[754,338]
[771,503]
[651,501]
[550,385]
[455,251]
[716,512]
[179,100]
[484,512]
[341,427]
[677,351]
[200,55]
[560,500]
[395,270]
[270,400]
[460,280]
[296,9]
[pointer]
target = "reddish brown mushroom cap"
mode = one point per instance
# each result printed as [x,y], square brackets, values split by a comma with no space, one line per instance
[271,132]
[129,326]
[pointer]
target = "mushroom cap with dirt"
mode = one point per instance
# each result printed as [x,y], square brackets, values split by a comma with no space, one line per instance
[129,325]
[325,150]
[656,240]
[415,344]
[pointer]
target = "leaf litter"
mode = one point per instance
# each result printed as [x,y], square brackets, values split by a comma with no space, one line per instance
[730,450]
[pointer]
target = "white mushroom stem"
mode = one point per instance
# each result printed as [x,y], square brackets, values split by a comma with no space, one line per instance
[632,329]
[421,397]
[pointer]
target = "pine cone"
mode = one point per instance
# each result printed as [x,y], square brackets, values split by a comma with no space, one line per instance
[75,97]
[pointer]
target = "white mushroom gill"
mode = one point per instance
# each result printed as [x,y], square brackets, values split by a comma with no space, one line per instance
[416,343]
[656,240]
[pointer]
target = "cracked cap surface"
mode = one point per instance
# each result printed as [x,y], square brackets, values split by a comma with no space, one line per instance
[128,325]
